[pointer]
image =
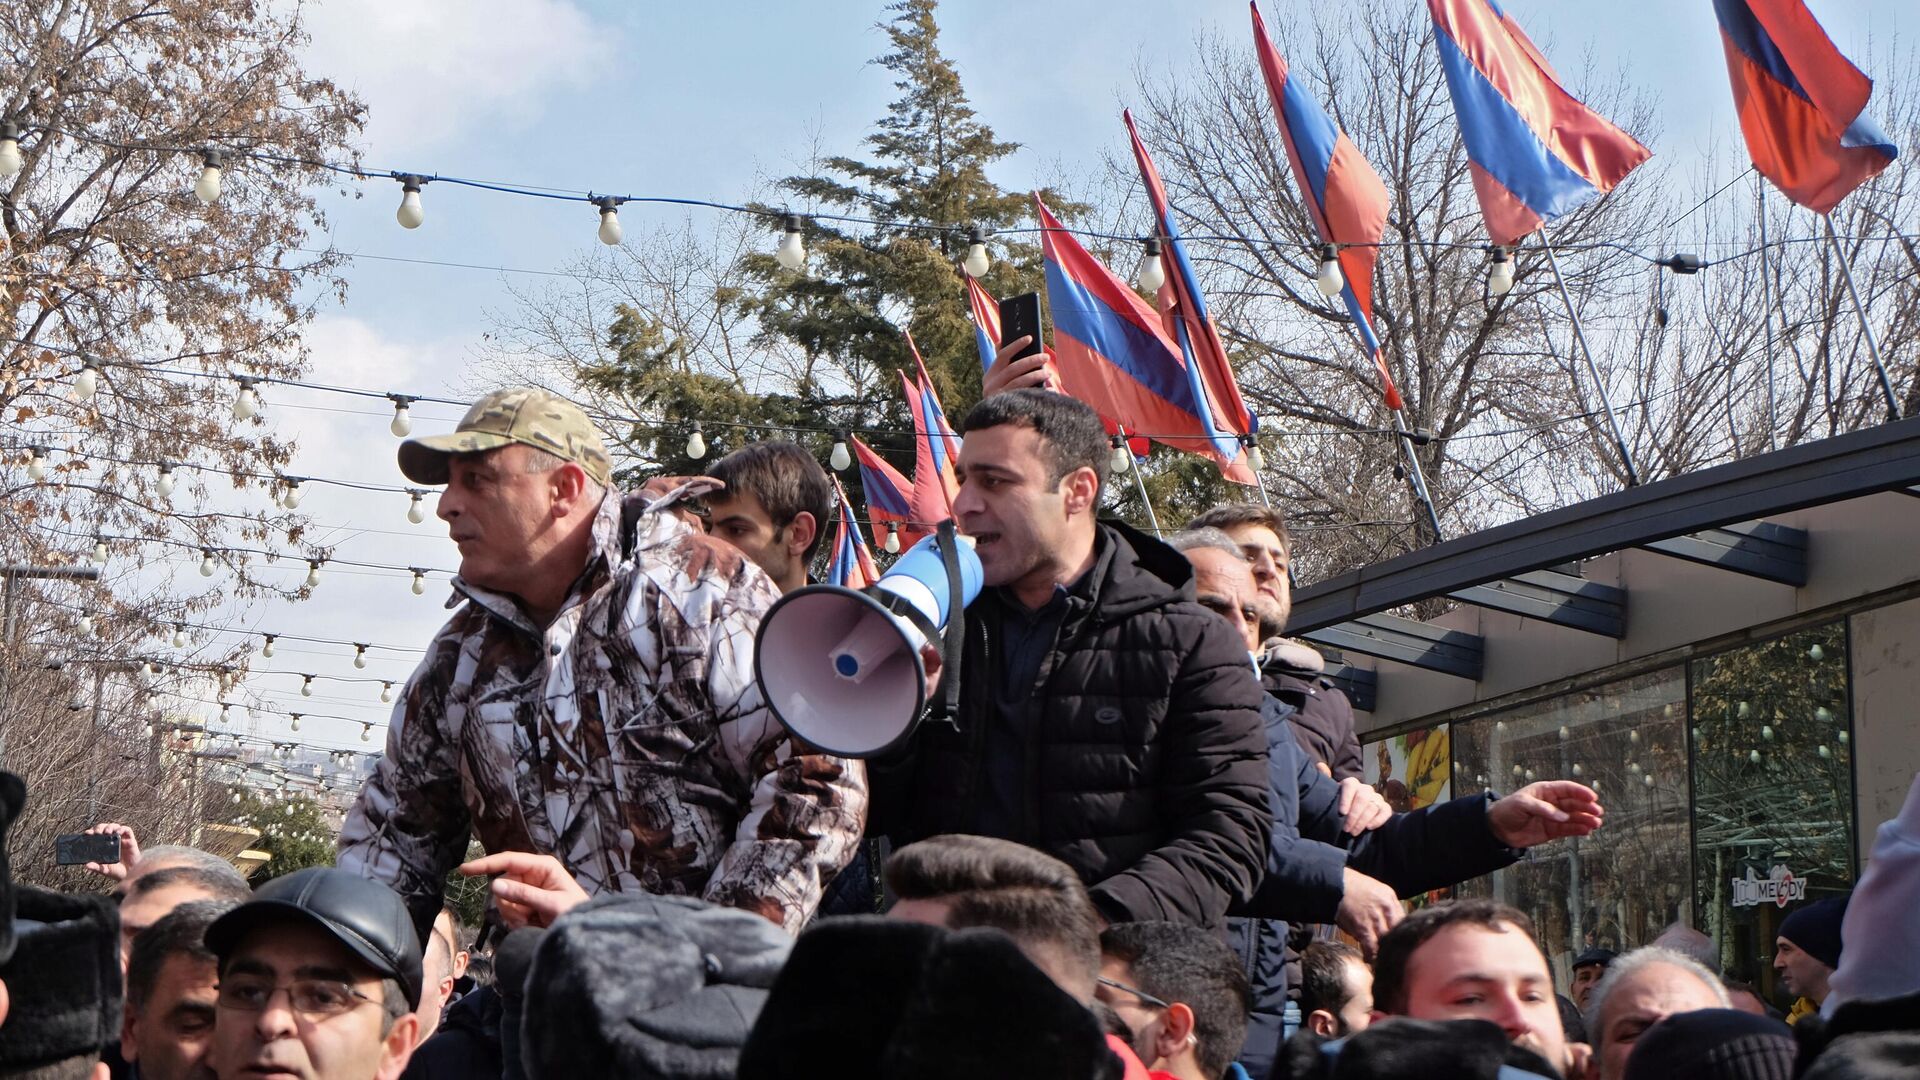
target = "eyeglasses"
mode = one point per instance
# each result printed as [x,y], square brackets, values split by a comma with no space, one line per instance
[308,997]
[1141,994]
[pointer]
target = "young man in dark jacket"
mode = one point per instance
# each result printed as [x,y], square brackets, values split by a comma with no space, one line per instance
[1105,717]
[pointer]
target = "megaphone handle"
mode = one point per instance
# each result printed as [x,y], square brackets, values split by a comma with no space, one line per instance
[953,641]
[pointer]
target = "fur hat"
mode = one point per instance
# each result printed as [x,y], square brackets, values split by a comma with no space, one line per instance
[648,986]
[63,980]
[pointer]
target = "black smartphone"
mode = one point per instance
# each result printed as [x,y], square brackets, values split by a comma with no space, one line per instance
[78,849]
[1020,317]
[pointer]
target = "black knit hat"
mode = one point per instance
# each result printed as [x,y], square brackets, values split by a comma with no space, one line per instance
[63,980]
[1815,929]
[1713,1044]
[1400,1047]
[883,998]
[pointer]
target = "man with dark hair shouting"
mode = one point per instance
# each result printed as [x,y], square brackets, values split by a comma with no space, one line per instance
[1104,717]
[593,699]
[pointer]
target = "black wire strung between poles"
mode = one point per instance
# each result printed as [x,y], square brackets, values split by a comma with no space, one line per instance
[215,156]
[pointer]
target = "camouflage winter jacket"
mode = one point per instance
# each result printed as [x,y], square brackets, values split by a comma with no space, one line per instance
[628,739]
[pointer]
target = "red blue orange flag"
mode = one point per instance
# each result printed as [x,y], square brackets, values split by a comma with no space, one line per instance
[1184,311]
[986,323]
[889,495]
[1112,351]
[935,448]
[1343,194]
[1802,105]
[1535,151]
[852,566]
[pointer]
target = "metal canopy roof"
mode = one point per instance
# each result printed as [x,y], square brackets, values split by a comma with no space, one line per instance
[1698,517]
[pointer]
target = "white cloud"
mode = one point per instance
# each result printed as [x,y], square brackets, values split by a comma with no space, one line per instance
[433,72]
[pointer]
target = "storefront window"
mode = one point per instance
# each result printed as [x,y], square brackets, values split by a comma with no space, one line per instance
[1410,771]
[1624,884]
[1773,790]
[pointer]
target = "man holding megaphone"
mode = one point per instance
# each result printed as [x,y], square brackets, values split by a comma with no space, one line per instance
[1099,714]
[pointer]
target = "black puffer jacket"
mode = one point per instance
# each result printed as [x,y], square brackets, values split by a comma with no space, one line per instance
[1147,769]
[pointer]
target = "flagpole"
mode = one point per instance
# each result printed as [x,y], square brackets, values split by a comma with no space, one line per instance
[1415,476]
[1586,354]
[1139,484]
[1766,309]
[1866,328]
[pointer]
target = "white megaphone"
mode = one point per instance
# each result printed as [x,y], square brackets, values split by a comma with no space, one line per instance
[841,668]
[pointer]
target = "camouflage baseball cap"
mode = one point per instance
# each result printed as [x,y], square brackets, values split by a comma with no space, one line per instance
[519,414]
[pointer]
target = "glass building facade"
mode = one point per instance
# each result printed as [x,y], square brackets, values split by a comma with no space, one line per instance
[1728,783]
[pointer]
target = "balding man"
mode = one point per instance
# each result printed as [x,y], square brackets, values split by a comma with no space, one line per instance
[1639,990]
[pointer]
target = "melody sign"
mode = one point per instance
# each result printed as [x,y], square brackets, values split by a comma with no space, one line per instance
[1778,888]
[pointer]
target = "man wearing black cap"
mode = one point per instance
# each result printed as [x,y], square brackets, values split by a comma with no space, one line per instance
[1588,967]
[319,976]
[1807,951]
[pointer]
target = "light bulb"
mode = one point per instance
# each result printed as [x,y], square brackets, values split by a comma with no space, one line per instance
[1743,710]
[246,403]
[402,425]
[1578,769]
[1815,652]
[977,262]
[146,668]
[1500,275]
[87,383]
[165,484]
[360,656]
[306,686]
[36,464]
[1121,459]
[1753,756]
[1825,715]
[696,444]
[86,626]
[840,459]
[313,574]
[1150,274]
[1529,775]
[266,647]
[1565,734]
[207,188]
[1766,732]
[416,509]
[10,156]
[206,564]
[610,222]
[100,553]
[1824,752]
[1648,778]
[1633,767]
[411,213]
[1518,771]
[1841,735]
[296,722]
[179,635]
[892,546]
[386,691]
[792,252]
[1256,460]
[419,582]
[1329,280]
[291,499]
[366,732]
[1633,736]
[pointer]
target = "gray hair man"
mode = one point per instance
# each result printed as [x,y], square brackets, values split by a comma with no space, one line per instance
[594,697]
[1639,990]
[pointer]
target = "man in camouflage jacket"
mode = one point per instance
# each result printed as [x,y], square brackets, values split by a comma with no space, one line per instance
[593,699]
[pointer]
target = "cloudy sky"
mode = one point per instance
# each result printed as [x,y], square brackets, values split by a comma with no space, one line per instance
[705,100]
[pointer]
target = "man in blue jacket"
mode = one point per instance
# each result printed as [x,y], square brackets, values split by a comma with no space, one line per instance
[1318,870]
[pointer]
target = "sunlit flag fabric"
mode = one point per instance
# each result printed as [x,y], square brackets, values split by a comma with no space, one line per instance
[852,566]
[1112,351]
[935,447]
[1183,311]
[1534,150]
[986,323]
[1802,105]
[1343,194]
[889,495]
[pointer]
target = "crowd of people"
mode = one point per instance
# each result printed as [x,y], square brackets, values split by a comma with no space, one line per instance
[1121,843]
